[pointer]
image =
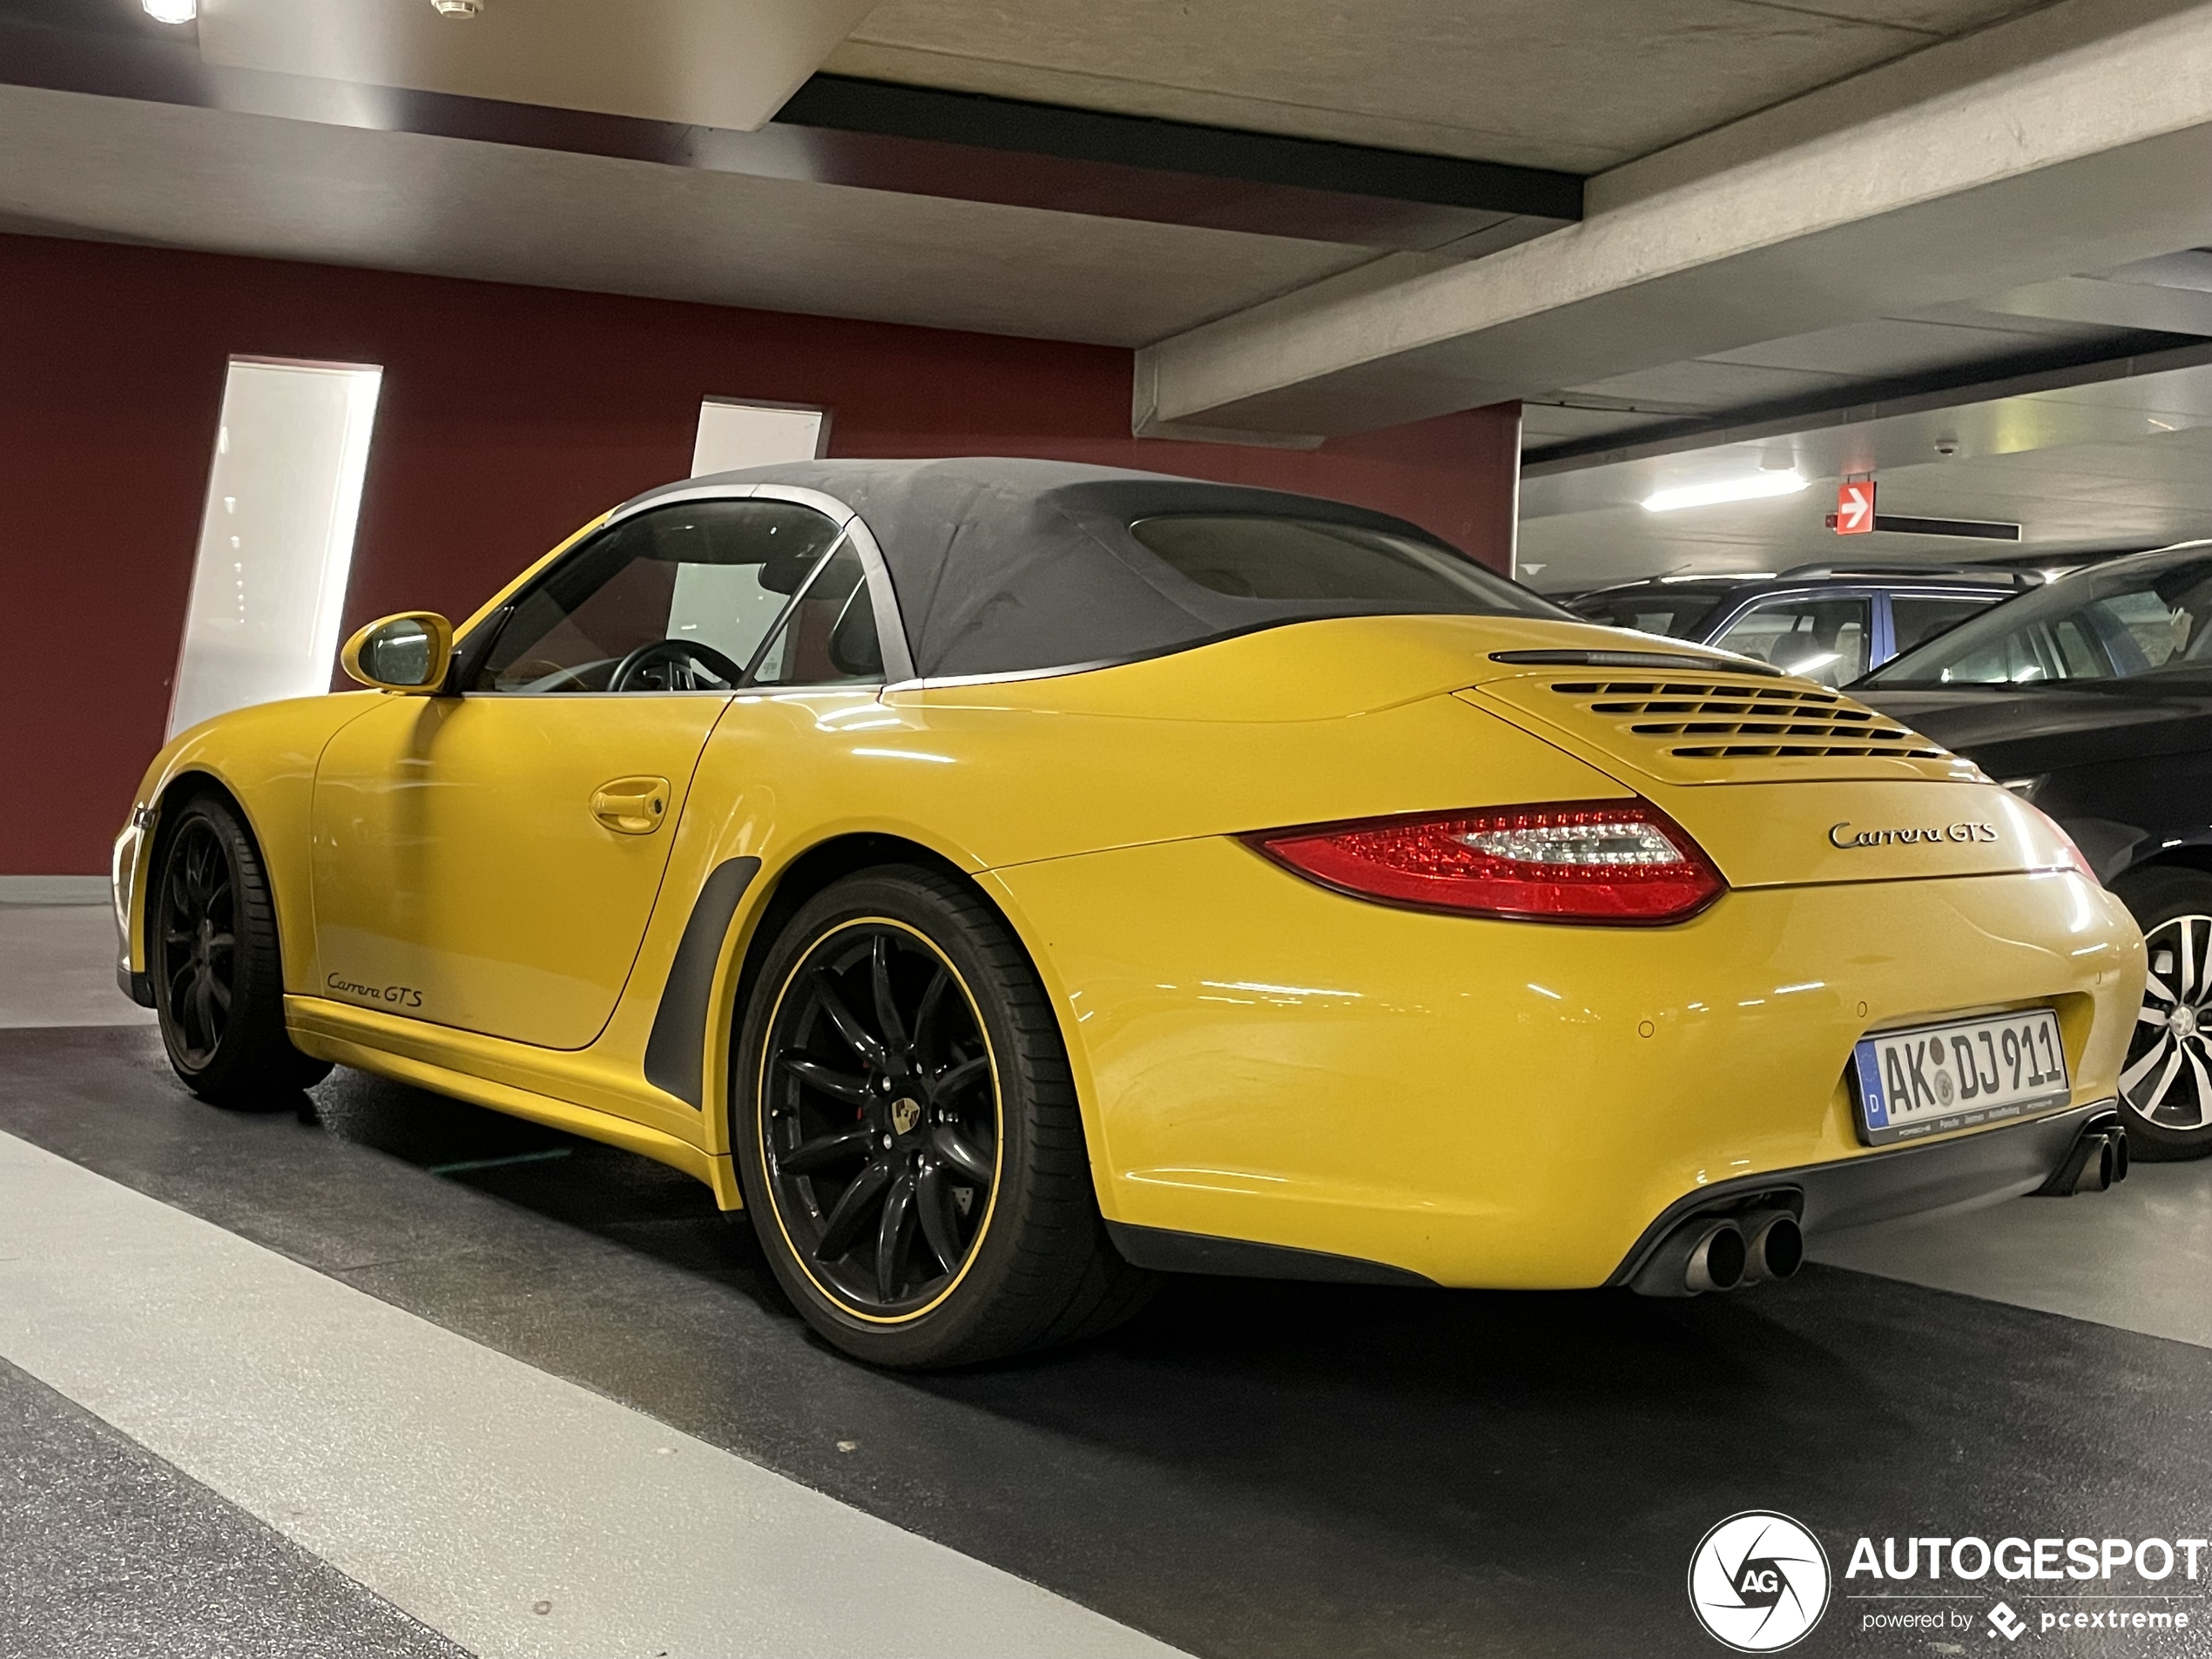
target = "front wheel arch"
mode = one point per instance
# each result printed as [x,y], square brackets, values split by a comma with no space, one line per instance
[177,792]
[226,1039]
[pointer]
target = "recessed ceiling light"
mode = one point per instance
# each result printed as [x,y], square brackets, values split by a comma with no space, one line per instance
[1750,486]
[171,10]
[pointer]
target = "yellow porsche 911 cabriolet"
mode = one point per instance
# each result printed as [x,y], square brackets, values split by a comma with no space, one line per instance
[1007,881]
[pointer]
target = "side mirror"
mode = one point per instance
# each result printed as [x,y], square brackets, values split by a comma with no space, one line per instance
[408,653]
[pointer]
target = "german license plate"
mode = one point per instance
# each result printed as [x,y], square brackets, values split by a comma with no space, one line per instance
[1951,1076]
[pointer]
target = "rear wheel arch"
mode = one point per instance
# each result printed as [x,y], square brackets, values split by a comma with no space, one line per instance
[799,880]
[830,861]
[1039,1269]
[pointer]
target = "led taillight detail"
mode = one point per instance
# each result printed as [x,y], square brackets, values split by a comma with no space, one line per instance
[1590,862]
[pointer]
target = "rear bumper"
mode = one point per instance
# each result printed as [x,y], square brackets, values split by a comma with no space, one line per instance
[1923,1180]
[1515,1106]
[1920,1180]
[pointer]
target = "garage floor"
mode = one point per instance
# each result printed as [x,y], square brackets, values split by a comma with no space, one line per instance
[398,1376]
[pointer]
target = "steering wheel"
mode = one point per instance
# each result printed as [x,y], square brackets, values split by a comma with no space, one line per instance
[631,669]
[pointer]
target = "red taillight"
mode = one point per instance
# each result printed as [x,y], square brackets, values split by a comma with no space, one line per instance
[1590,860]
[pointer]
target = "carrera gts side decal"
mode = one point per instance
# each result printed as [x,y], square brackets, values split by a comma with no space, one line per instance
[397,996]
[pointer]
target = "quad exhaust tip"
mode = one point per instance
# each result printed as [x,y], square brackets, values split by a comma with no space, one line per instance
[1774,1246]
[1710,1253]
[1724,1251]
[2096,1162]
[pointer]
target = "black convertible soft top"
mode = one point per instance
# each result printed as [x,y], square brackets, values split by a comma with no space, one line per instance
[1002,566]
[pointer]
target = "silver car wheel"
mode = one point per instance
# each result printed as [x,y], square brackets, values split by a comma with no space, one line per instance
[2167,1077]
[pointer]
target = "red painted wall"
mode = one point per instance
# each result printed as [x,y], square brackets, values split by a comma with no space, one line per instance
[509,416]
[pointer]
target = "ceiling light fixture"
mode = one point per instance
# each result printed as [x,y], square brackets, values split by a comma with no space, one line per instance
[456,8]
[1751,485]
[171,10]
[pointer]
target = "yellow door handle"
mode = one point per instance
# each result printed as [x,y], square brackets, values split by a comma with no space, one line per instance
[631,806]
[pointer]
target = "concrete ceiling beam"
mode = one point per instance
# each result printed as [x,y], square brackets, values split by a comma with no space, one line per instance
[869,135]
[2079,157]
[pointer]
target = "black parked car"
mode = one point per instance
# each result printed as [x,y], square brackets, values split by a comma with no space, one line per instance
[2093,698]
[1826,623]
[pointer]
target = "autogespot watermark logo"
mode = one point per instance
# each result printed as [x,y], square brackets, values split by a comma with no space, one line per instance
[2154,1586]
[1759,1582]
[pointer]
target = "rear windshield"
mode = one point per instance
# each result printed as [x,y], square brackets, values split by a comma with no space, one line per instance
[1676,612]
[2146,619]
[1330,566]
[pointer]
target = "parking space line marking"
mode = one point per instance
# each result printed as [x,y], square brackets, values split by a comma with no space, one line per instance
[514,1512]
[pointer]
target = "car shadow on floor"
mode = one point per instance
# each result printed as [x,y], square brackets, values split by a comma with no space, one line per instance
[620,1196]
[1444,1453]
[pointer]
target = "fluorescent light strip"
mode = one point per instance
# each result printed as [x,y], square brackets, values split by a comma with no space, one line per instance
[1751,485]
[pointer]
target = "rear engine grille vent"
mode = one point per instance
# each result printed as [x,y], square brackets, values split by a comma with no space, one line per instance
[1712,719]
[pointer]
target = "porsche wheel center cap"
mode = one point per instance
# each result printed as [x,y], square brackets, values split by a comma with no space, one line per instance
[906,1112]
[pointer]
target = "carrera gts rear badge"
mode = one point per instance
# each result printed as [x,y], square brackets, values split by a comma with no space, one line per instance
[1843,835]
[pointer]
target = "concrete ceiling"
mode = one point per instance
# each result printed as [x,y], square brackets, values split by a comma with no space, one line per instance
[226,182]
[1506,81]
[1580,87]
[1834,365]
[1501,81]
[2108,455]
[2075,137]
[716,63]
[2143,491]
[1817,230]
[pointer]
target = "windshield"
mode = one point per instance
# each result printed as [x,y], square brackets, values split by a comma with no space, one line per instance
[2132,619]
[1338,570]
[1675,611]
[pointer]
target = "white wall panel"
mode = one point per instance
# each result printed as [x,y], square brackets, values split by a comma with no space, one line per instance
[276,538]
[733,434]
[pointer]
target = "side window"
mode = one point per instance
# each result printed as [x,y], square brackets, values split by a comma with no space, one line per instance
[1821,638]
[829,637]
[2082,649]
[1917,618]
[2158,630]
[677,599]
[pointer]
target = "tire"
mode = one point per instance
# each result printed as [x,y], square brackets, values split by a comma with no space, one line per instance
[211,953]
[918,1177]
[2166,1083]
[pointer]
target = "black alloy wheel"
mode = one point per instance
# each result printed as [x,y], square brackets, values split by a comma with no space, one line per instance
[2166,1081]
[197,942]
[213,955]
[906,1132]
[882,1125]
